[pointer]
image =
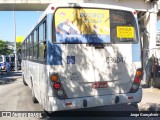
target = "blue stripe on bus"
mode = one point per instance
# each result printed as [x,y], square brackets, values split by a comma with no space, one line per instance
[85,38]
[54,54]
[136,53]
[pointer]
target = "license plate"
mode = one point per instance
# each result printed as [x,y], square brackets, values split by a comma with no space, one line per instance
[99,85]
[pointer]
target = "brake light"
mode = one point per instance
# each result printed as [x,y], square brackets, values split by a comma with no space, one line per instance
[56,85]
[136,82]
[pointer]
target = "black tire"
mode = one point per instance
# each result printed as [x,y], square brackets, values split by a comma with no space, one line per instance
[34,99]
[134,104]
[49,114]
[24,82]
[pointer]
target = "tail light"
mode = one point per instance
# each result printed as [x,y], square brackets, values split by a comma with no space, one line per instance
[54,78]
[58,89]
[136,82]
[56,86]
[60,93]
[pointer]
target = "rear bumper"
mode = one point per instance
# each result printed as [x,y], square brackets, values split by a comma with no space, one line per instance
[95,101]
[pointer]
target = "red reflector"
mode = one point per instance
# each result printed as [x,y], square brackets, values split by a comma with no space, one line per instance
[56,85]
[137,80]
[52,8]
[134,13]
[68,104]
[130,97]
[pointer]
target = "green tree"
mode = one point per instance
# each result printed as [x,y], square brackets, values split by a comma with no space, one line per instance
[18,47]
[4,50]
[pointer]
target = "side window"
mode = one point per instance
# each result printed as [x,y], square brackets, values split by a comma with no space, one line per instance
[42,42]
[35,48]
[22,51]
[40,31]
[31,47]
[26,48]
[32,37]
[28,55]
[25,51]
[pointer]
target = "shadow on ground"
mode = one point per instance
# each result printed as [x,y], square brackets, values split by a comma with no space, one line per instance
[8,78]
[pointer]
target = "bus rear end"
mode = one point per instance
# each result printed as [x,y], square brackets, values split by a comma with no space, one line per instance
[95,58]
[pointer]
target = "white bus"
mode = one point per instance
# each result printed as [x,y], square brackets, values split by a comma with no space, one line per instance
[83,55]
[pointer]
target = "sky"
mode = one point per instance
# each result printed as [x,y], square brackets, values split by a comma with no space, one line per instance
[25,20]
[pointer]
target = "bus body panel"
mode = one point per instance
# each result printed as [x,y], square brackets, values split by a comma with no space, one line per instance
[111,64]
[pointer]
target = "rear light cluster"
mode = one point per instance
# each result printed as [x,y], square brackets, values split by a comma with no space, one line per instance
[137,81]
[57,87]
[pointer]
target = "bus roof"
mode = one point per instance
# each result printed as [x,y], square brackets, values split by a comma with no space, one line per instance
[86,5]
[52,7]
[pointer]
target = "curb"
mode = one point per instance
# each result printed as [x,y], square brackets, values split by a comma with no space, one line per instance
[8,79]
[5,80]
[149,107]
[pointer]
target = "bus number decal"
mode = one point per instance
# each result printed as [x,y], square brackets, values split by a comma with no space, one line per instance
[115,59]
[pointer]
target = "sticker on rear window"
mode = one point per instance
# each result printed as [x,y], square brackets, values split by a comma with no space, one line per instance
[82,25]
[125,32]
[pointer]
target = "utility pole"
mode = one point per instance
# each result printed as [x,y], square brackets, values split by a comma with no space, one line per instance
[15,50]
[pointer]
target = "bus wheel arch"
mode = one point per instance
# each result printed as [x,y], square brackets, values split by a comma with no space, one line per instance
[34,99]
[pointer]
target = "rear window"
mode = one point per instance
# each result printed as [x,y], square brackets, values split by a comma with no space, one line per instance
[123,27]
[1,59]
[87,25]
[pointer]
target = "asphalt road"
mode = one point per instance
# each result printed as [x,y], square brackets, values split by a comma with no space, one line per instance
[15,96]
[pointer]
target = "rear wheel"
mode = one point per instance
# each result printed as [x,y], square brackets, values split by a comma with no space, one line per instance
[135,104]
[49,114]
[34,99]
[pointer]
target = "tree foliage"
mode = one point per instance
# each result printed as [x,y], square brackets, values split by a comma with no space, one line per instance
[4,49]
[18,46]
